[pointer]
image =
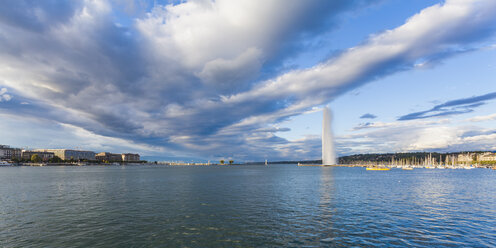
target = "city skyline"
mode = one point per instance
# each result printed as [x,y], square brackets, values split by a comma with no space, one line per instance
[247,80]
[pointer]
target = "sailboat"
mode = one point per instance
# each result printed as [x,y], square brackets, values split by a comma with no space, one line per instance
[374,168]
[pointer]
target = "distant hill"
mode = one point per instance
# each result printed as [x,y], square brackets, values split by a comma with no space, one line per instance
[378,157]
[387,157]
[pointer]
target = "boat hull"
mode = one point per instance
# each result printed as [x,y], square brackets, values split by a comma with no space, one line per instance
[377,169]
[320,165]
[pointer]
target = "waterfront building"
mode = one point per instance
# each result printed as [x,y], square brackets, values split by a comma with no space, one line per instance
[7,152]
[130,157]
[465,158]
[67,154]
[45,156]
[487,156]
[107,156]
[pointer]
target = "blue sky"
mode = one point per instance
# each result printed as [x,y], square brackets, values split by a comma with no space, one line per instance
[203,80]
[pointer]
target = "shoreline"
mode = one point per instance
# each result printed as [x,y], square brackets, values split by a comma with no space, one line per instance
[461,166]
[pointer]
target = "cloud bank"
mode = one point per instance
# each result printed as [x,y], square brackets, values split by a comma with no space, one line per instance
[207,77]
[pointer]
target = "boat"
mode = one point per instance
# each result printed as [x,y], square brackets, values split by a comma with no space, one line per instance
[318,165]
[407,168]
[378,168]
[5,163]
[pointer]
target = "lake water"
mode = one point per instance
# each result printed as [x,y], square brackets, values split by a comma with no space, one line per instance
[245,206]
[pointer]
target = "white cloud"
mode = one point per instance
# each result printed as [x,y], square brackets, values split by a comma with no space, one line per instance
[483,118]
[487,138]
[434,138]
[4,97]
[435,30]
[227,76]
[418,135]
[400,124]
[195,33]
[97,142]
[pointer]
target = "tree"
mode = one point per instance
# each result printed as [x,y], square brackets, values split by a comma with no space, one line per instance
[35,158]
[222,161]
[55,159]
[231,161]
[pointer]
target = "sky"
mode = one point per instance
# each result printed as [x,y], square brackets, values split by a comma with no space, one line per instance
[245,79]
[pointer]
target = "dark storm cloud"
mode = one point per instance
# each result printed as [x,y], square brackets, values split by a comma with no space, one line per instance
[453,107]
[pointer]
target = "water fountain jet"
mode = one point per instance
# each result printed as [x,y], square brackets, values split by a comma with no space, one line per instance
[328,154]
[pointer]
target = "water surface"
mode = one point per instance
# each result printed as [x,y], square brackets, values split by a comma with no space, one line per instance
[245,206]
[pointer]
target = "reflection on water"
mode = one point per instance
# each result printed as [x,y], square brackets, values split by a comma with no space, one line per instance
[327,210]
[252,206]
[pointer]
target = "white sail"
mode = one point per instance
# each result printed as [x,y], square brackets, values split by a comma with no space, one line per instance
[328,155]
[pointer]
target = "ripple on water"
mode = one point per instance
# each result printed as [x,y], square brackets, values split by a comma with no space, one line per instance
[254,206]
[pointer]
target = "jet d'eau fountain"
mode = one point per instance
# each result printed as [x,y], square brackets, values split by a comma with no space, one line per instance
[328,154]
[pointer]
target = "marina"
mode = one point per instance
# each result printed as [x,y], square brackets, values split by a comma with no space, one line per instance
[5,163]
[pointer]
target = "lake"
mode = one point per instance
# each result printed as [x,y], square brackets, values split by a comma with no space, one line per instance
[245,206]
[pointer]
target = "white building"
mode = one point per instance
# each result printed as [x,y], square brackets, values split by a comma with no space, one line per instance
[487,156]
[7,152]
[130,157]
[466,158]
[66,154]
[44,156]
